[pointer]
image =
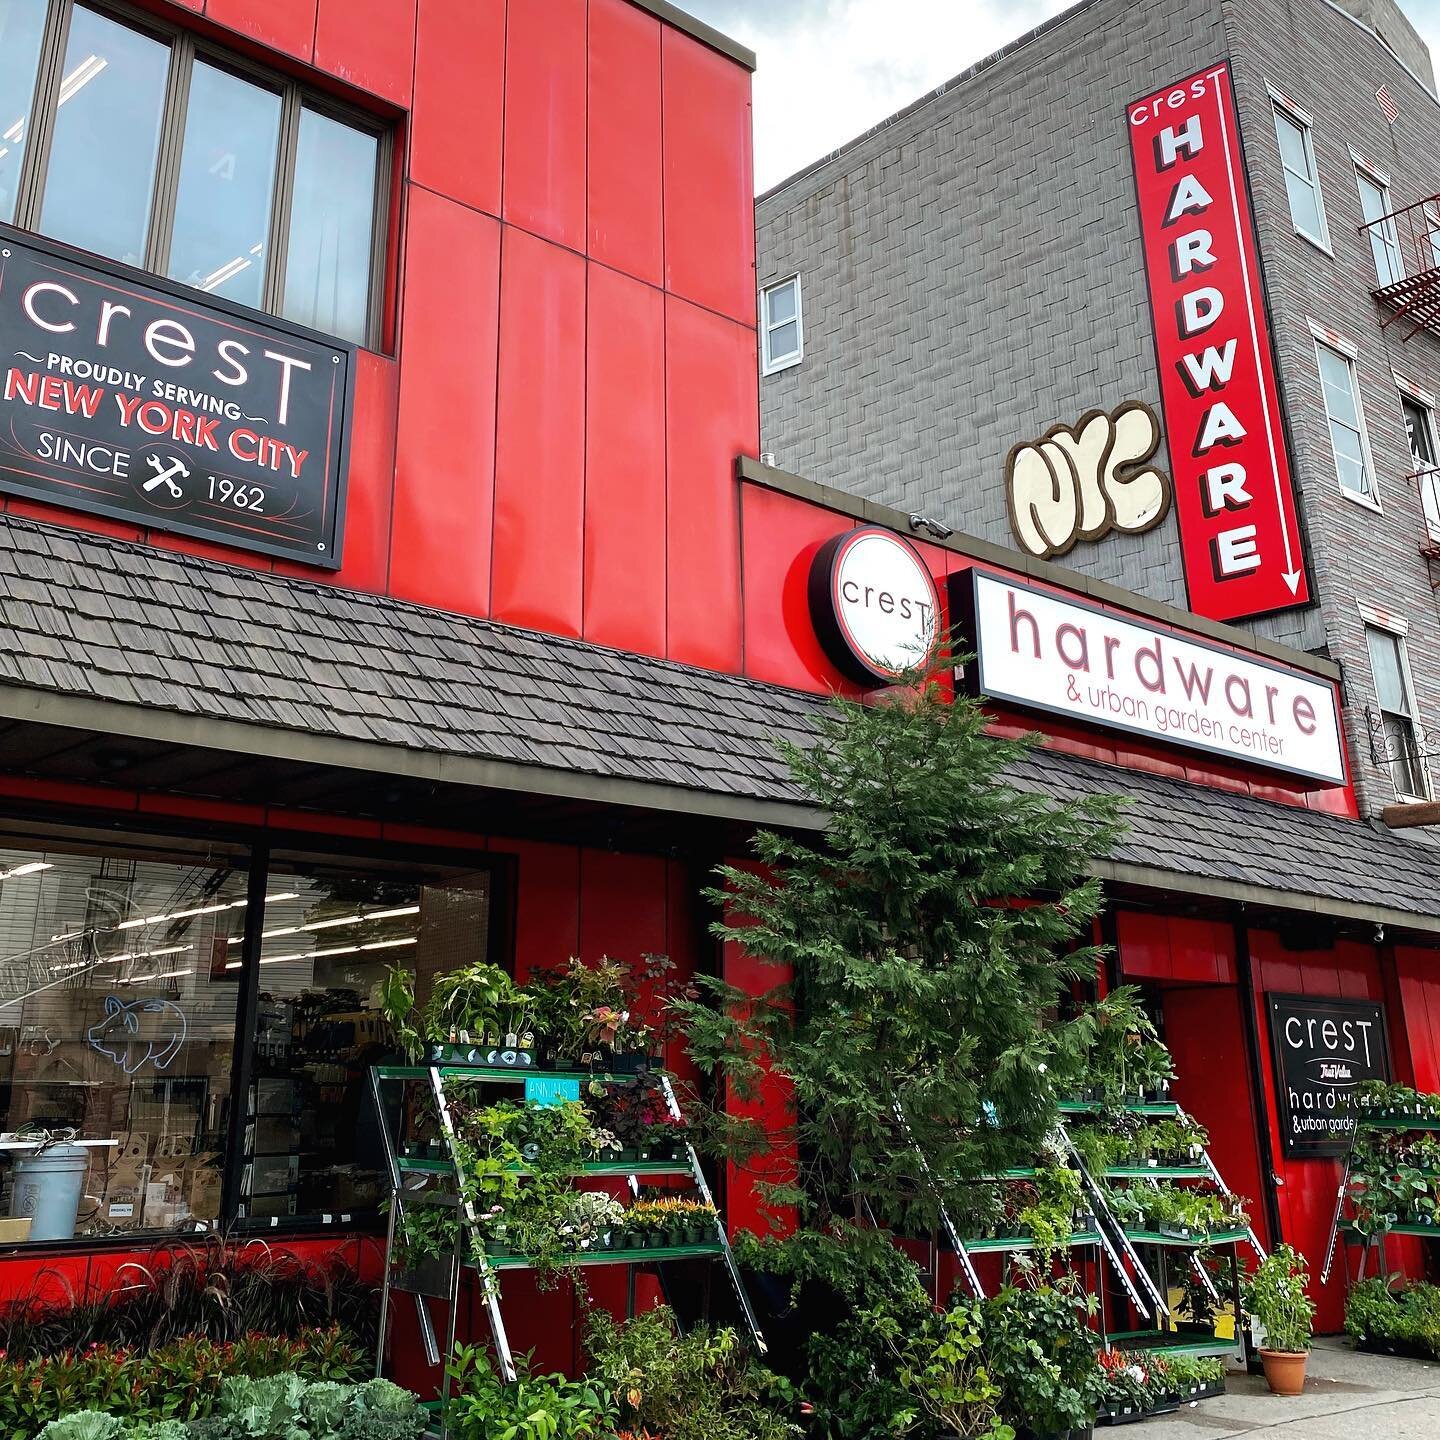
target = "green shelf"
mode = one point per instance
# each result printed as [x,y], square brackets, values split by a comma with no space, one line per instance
[999,1243]
[495,1074]
[600,1167]
[1395,1122]
[1347,1227]
[1023,1173]
[1198,1242]
[1157,1172]
[1138,1107]
[1171,1343]
[615,1257]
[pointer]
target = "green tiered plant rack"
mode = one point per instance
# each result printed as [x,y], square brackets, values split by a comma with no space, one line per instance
[489,1267]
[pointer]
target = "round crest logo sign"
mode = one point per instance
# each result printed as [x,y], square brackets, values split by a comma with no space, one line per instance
[874,605]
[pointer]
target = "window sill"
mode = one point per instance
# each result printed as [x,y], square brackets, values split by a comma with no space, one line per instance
[1363,501]
[776,366]
[1323,246]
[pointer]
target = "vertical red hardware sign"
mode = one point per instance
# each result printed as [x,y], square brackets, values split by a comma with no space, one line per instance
[1239,531]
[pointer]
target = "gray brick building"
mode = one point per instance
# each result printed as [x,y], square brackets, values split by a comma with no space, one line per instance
[971,274]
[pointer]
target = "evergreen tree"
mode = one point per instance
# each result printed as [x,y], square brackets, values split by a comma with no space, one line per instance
[927,941]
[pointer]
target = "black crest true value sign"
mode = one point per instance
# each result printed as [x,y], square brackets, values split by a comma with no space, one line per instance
[1323,1049]
[126,396]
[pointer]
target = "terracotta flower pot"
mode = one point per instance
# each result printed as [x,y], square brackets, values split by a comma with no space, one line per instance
[1284,1370]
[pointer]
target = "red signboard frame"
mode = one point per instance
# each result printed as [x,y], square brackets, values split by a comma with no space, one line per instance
[1234,494]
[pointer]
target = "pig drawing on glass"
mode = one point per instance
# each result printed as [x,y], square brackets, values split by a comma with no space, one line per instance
[130,1034]
[1081,482]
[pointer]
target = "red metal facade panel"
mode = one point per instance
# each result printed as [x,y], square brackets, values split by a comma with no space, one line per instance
[547,905]
[445,459]
[623,904]
[369,44]
[540,437]
[1419,987]
[625,464]
[779,538]
[545,119]
[709,185]
[285,25]
[370,492]
[456,124]
[624,226]
[1203,1030]
[712,409]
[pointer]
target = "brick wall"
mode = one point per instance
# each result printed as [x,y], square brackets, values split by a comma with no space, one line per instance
[1331,67]
[972,274]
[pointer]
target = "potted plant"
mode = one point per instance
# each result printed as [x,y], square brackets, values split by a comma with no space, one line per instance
[1041,1353]
[1276,1298]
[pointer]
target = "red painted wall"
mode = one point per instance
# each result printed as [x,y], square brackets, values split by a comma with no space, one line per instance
[570,368]
[779,538]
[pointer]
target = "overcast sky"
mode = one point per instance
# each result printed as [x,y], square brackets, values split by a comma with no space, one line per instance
[829,69]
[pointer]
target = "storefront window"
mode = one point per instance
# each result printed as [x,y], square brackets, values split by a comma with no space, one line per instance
[117,1029]
[22,25]
[107,138]
[312,1142]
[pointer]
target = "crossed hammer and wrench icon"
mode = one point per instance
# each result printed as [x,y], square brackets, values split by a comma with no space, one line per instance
[165,475]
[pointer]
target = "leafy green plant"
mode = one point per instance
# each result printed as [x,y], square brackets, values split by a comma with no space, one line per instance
[534,1407]
[397,1005]
[699,1386]
[942,1365]
[1041,1353]
[179,1381]
[922,940]
[480,1001]
[1389,1311]
[1050,1220]
[837,1283]
[1275,1295]
[221,1288]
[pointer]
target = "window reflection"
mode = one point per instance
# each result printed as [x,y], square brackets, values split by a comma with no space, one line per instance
[227,184]
[22,25]
[116,1024]
[332,225]
[312,1140]
[101,174]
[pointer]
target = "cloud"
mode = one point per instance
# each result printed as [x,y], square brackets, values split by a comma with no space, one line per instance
[830,69]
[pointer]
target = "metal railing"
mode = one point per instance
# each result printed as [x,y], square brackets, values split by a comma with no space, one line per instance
[1405,245]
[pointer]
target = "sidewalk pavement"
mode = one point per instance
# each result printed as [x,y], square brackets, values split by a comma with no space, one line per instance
[1348,1396]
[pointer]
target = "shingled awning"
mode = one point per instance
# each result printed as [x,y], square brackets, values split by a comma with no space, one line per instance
[122,663]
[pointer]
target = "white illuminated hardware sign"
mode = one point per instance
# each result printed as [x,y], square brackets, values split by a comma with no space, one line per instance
[874,605]
[1040,650]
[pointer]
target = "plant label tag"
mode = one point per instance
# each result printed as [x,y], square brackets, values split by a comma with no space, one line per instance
[550,1089]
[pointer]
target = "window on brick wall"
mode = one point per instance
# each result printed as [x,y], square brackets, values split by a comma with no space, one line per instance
[1302,180]
[1384,242]
[1347,424]
[133,140]
[782,335]
[1395,695]
[1420,431]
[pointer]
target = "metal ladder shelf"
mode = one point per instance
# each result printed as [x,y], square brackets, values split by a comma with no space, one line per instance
[1339,1227]
[487,1267]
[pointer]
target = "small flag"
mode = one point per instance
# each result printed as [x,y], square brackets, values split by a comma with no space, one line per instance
[1387,104]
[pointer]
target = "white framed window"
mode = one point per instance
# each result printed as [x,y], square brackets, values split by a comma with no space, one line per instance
[1384,242]
[1420,431]
[1395,697]
[782,329]
[1302,180]
[1348,441]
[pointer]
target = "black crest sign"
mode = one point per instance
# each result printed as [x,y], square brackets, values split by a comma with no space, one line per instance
[124,395]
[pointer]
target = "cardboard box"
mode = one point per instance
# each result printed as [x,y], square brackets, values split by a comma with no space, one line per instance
[203,1180]
[123,1206]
